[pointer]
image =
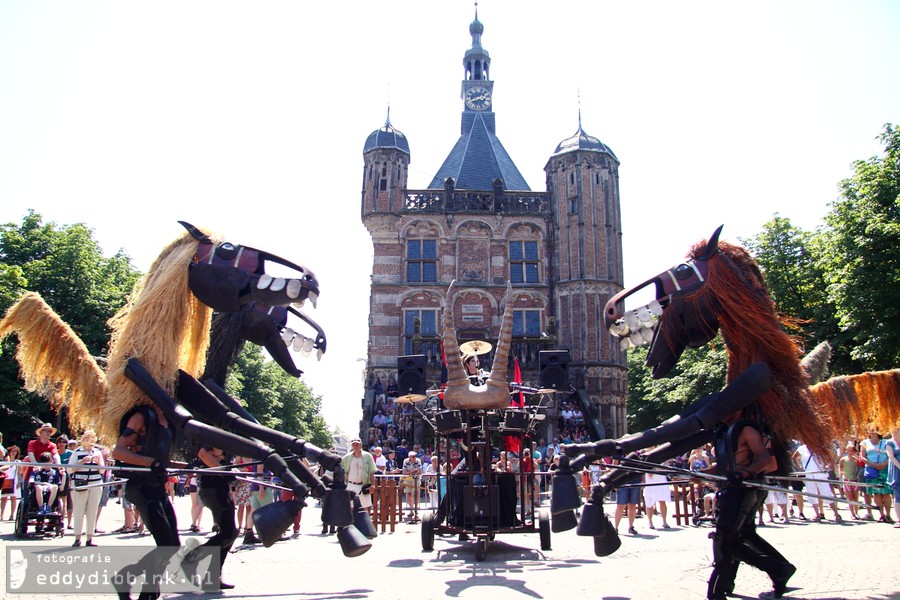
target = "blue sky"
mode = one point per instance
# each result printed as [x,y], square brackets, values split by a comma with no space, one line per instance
[249,119]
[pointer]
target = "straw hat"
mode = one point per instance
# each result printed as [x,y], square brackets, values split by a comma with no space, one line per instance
[44,427]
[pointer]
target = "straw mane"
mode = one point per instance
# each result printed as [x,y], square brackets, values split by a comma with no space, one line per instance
[163,325]
[53,360]
[755,332]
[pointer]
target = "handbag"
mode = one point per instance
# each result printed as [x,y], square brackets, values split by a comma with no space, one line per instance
[871,472]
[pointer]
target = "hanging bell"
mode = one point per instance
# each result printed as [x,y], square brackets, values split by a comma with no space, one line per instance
[593,521]
[609,542]
[273,519]
[337,503]
[362,520]
[563,521]
[564,495]
[353,543]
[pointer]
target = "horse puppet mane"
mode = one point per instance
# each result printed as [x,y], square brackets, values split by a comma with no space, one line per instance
[754,332]
[53,360]
[163,325]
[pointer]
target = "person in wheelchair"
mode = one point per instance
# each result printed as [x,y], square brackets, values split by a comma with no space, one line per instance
[46,482]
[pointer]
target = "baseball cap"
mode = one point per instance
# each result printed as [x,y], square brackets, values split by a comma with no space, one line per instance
[412,453]
[356,440]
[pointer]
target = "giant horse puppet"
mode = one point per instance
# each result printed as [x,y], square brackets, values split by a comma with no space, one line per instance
[161,341]
[719,287]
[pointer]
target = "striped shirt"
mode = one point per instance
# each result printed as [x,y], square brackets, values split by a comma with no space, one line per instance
[83,476]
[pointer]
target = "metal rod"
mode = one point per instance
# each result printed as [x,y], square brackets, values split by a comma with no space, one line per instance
[828,481]
[205,470]
[265,484]
[721,479]
[88,486]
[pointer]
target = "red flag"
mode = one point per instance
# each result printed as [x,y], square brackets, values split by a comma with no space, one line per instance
[517,378]
[512,443]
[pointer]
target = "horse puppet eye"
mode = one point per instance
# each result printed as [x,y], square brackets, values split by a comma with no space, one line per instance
[226,251]
[683,271]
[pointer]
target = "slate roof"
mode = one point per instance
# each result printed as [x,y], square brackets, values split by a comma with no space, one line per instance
[478,158]
[387,137]
[583,141]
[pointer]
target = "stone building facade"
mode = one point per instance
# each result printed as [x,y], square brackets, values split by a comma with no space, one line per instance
[480,224]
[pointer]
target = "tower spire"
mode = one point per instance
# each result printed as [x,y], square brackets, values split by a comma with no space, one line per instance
[579,110]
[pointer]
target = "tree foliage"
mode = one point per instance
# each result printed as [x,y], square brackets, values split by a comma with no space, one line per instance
[276,399]
[861,256]
[700,371]
[790,259]
[66,266]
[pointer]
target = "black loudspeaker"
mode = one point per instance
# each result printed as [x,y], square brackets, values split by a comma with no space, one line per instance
[411,374]
[554,366]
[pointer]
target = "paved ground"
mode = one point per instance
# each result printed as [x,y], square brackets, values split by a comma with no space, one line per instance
[849,561]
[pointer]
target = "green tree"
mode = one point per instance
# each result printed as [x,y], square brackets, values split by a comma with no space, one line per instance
[700,371]
[65,265]
[789,258]
[276,399]
[860,251]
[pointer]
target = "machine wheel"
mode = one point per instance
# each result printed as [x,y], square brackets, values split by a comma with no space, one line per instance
[21,519]
[481,548]
[428,531]
[544,529]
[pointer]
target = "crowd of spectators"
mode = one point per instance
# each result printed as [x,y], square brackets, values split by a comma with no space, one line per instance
[571,425]
[391,421]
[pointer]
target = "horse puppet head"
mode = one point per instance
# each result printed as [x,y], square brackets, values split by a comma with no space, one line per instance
[166,323]
[719,286]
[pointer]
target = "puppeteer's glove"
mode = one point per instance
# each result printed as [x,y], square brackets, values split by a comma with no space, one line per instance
[366,489]
[737,478]
[158,470]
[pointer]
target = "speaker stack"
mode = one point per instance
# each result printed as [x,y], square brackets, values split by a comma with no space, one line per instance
[411,374]
[554,369]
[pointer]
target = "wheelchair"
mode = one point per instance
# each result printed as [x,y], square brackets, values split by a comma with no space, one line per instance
[28,514]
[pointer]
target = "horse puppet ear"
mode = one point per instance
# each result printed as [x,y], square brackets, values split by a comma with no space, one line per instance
[712,246]
[196,233]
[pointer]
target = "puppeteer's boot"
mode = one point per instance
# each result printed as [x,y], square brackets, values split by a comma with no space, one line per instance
[249,537]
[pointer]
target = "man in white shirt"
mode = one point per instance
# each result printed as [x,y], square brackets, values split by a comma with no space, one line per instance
[359,467]
[380,460]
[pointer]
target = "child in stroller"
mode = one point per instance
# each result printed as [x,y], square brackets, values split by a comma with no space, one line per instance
[46,481]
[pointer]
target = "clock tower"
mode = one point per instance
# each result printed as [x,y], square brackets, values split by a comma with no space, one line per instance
[477,87]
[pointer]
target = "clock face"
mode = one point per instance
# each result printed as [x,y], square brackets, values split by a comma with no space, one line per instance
[478,98]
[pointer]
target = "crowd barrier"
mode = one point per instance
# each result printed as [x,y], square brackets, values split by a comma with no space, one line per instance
[389,501]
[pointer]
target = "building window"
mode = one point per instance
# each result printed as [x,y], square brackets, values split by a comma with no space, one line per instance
[526,323]
[382,184]
[421,261]
[523,262]
[418,324]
